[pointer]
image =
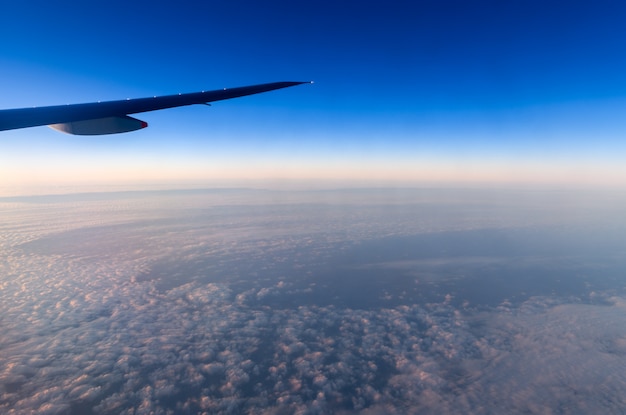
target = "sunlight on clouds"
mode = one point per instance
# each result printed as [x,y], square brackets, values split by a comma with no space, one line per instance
[191,302]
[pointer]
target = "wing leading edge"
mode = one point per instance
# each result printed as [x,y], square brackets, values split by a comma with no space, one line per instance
[111,117]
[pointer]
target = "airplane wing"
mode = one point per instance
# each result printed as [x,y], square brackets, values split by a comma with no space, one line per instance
[111,117]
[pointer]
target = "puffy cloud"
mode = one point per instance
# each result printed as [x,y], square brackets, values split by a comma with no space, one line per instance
[90,331]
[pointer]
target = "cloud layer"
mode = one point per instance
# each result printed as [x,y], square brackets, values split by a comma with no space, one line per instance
[83,333]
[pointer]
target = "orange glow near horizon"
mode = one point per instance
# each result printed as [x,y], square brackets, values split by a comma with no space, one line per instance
[329,173]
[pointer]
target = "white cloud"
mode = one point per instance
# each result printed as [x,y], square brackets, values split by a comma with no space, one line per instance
[88,330]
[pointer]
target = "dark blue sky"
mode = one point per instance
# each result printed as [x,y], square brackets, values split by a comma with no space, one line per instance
[413,91]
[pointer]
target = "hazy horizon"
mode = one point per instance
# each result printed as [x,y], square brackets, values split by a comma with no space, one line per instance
[287,185]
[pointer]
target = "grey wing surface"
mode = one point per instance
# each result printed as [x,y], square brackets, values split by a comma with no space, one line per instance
[111,117]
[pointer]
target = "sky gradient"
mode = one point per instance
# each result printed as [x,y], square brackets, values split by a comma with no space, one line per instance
[405,93]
